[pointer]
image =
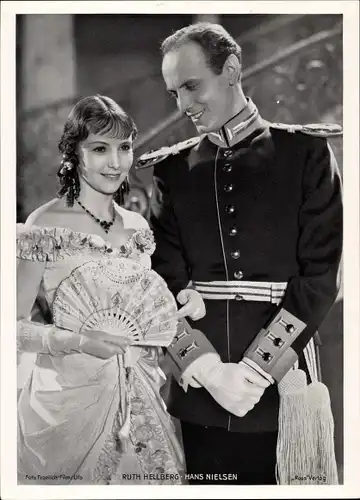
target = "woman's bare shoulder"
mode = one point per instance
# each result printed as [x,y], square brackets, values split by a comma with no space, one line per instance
[52,213]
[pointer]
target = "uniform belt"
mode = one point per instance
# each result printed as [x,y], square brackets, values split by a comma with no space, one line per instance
[262,291]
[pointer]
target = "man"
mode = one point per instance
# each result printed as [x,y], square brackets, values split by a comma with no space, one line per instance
[247,219]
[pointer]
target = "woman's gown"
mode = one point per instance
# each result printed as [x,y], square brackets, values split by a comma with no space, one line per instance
[70,409]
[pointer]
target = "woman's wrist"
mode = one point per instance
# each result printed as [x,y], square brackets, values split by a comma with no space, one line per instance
[46,339]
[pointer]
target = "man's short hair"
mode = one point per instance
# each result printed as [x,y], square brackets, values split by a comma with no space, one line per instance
[214,40]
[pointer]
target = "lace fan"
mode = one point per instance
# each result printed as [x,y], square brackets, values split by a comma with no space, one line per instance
[120,297]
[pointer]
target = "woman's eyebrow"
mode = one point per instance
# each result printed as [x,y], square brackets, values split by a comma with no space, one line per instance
[97,142]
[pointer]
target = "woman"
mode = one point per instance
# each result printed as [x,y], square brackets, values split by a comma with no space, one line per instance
[91,412]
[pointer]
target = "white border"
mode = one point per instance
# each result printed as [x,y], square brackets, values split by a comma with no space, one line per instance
[351,488]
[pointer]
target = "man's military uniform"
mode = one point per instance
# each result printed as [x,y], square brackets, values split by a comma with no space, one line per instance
[251,217]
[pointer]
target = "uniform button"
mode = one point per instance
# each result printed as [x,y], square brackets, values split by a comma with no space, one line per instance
[227,167]
[232,231]
[228,188]
[239,297]
[278,342]
[230,209]
[238,275]
[235,254]
[290,328]
[228,153]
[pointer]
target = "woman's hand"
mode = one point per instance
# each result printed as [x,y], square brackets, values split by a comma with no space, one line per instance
[102,345]
[194,305]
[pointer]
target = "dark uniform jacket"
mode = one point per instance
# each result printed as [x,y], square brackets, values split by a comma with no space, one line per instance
[268,209]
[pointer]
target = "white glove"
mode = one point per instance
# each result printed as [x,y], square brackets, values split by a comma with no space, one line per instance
[258,369]
[194,305]
[235,386]
[48,339]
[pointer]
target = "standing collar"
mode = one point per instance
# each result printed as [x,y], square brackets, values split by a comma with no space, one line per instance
[237,128]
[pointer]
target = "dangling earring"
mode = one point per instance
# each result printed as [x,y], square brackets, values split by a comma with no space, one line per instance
[125,185]
[124,189]
[74,188]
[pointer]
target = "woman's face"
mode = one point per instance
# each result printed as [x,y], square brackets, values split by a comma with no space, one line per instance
[104,162]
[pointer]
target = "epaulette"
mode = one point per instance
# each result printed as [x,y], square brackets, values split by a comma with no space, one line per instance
[152,157]
[315,129]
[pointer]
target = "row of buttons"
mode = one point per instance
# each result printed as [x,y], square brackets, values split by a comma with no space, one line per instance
[230,209]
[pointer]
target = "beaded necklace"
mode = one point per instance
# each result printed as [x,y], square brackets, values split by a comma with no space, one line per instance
[103,223]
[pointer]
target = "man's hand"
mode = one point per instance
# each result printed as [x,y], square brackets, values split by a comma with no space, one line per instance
[194,305]
[235,386]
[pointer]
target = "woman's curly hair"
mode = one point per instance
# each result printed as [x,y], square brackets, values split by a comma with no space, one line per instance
[92,115]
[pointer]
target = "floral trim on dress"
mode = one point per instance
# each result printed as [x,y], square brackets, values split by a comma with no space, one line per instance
[147,436]
[148,449]
[109,457]
[44,244]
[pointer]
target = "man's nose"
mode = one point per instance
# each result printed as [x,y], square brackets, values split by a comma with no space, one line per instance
[184,101]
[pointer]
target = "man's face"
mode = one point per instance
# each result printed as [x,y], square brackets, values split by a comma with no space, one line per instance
[201,94]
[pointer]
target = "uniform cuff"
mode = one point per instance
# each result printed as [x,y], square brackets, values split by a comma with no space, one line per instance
[271,350]
[188,345]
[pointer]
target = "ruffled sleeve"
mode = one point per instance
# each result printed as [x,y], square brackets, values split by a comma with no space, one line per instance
[36,244]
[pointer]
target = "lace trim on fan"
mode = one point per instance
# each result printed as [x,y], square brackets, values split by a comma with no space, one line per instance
[50,244]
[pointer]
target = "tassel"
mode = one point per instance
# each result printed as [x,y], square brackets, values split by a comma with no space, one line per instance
[321,422]
[294,450]
[124,432]
[125,381]
[305,448]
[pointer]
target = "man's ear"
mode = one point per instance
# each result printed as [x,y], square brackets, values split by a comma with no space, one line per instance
[232,69]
